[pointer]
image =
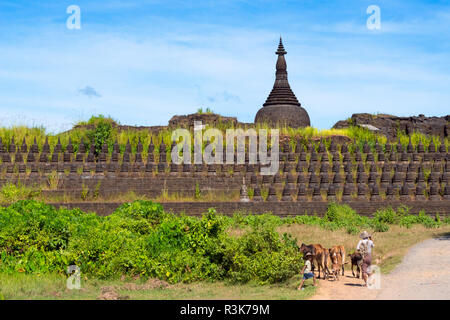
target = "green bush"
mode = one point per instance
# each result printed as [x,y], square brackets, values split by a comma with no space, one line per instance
[446,220]
[256,220]
[408,221]
[139,238]
[308,220]
[11,192]
[379,226]
[387,216]
[343,216]
[102,132]
[390,216]
[263,256]
[352,230]
[427,221]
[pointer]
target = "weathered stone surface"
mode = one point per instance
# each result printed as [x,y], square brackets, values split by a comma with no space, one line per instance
[187,121]
[292,116]
[389,124]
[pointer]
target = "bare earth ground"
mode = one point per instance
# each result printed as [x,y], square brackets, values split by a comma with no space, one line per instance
[424,273]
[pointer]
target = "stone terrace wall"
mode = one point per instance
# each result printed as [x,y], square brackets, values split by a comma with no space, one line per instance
[284,209]
[308,176]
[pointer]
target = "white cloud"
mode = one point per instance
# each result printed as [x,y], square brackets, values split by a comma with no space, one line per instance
[144,78]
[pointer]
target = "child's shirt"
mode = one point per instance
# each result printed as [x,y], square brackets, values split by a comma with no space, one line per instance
[308,266]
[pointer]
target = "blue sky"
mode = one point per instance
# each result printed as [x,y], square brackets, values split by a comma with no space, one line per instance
[144,61]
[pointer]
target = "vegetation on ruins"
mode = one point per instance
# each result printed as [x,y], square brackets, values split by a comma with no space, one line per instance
[101,129]
[201,111]
[139,238]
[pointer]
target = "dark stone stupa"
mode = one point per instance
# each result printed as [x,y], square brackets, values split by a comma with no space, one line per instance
[282,107]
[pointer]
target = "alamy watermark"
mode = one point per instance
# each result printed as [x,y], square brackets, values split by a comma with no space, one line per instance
[374,280]
[74,20]
[374,20]
[213,153]
[74,279]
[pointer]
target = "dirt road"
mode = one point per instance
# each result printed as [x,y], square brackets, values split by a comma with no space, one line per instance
[424,273]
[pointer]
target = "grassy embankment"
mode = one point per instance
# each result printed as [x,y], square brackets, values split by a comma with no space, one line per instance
[391,246]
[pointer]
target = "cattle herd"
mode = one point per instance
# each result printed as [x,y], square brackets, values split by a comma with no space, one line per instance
[332,261]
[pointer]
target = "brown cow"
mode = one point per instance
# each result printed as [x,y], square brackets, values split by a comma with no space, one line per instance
[319,256]
[337,258]
[357,260]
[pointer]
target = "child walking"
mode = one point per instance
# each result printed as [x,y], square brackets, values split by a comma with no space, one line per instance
[307,273]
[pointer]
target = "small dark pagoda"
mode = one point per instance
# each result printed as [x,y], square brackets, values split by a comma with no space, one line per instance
[282,107]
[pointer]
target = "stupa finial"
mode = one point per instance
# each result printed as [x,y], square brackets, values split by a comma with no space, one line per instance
[281,50]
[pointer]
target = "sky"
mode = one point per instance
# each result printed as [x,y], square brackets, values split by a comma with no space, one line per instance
[141,62]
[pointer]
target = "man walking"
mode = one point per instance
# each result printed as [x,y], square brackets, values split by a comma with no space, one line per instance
[365,246]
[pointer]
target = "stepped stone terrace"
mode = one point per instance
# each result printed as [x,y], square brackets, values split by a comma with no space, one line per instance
[310,176]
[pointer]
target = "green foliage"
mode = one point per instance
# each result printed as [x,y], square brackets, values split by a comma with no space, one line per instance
[206,111]
[22,132]
[417,137]
[84,191]
[427,220]
[105,130]
[361,135]
[197,191]
[343,216]
[408,221]
[352,230]
[263,256]
[379,226]
[102,133]
[11,192]
[308,220]
[97,190]
[141,210]
[96,120]
[446,220]
[257,221]
[140,238]
[384,217]
[387,215]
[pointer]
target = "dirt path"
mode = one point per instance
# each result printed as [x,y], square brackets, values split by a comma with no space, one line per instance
[424,273]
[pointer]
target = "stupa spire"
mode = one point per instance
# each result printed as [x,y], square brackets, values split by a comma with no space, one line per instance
[282,106]
[281,92]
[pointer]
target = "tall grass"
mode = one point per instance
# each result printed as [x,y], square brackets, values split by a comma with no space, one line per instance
[85,130]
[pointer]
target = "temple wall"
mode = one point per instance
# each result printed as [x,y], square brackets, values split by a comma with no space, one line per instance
[308,179]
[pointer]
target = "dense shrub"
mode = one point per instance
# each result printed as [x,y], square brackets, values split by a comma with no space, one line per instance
[263,256]
[140,238]
[379,226]
[387,215]
[343,216]
[384,217]
[446,220]
[101,133]
[254,220]
[11,192]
